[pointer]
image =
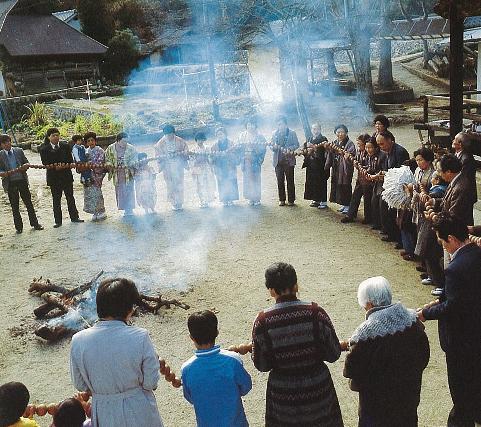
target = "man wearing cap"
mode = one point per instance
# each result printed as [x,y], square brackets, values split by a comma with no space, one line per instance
[16,184]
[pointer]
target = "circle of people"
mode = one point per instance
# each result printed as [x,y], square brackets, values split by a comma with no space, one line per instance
[292,339]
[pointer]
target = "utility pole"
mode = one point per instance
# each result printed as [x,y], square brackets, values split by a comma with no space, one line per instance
[214,91]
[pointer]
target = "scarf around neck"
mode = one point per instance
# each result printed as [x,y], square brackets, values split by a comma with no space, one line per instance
[383,321]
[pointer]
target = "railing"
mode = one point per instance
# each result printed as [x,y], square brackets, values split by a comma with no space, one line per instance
[468,105]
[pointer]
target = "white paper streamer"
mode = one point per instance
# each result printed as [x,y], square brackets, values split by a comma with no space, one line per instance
[394,194]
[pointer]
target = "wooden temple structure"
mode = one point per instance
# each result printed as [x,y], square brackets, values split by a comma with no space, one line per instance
[463,105]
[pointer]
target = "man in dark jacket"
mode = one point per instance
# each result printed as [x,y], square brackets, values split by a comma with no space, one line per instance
[457,201]
[16,184]
[59,179]
[459,320]
[396,155]
[461,146]
[284,163]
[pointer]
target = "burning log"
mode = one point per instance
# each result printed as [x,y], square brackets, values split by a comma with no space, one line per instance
[39,287]
[54,333]
[78,311]
[144,301]
[62,303]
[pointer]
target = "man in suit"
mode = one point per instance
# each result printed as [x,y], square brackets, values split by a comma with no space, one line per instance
[457,201]
[285,139]
[461,147]
[396,155]
[459,320]
[59,179]
[16,184]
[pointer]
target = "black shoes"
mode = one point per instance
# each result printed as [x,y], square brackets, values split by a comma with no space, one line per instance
[347,219]
[386,239]
[19,230]
[398,246]
[56,225]
[38,227]
[78,220]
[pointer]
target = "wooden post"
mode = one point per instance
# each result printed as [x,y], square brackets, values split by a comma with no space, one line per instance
[479,72]
[456,28]
[425,110]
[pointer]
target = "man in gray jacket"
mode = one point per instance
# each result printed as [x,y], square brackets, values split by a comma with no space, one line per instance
[284,140]
[15,184]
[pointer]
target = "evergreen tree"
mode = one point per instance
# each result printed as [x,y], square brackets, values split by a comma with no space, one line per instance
[122,56]
[96,19]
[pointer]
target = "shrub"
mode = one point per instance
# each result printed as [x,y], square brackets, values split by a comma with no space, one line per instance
[39,114]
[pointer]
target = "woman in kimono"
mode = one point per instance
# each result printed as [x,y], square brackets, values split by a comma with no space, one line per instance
[423,176]
[291,340]
[253,148]
[121,160]
[316,175]
[342,170]
[201,171]
[93,197]
[225,158]
[173,159]
[117,363]
[145,190]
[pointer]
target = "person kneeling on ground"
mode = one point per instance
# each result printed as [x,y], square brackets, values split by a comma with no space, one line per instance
[387,355]
[214,379]
[14,399]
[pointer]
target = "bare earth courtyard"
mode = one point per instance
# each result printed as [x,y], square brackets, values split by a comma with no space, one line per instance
[211,259]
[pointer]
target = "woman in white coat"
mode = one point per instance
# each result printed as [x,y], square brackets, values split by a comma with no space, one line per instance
[116,362]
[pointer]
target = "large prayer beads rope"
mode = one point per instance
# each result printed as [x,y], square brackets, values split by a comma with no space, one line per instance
[50,409]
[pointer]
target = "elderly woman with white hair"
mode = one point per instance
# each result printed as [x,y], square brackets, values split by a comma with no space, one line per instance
[387,355]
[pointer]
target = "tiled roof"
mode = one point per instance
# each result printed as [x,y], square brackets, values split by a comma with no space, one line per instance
[45,36]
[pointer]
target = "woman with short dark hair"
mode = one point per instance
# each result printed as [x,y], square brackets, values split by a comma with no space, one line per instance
[116,362]
[291,341]
[315,161]
[93,197]
[381,124]
[342,169]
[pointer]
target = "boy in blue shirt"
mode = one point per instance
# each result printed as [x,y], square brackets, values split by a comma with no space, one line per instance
[214,379]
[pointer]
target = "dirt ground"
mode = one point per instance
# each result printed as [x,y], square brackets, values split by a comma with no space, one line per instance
[212,259]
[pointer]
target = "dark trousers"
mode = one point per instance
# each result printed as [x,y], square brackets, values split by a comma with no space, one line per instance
[57,191]
[375,206]
[433,259]
[388,221]
[359,192]
[464,378]
[285,173]
[17,189]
